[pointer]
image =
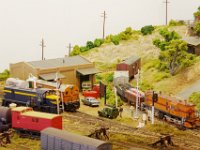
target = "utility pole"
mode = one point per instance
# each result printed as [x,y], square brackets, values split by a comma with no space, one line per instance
[104,20]
[70,48]
[137,97]
[42,45]
[166,9]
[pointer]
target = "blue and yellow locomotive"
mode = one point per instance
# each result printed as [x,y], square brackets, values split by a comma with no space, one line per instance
[42,99]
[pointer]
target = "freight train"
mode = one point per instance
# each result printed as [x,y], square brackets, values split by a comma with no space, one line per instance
[25,120]
[178,112]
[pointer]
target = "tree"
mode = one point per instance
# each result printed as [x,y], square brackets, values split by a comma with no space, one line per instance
[115,39]
[197,13]
[90,45]
[98,42]
[197,27]
[75,51]
[174,55]
[147,29]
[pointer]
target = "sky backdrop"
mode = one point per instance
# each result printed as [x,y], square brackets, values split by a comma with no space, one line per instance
[23,23]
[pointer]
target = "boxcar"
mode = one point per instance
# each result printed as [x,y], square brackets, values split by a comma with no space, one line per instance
[54,139]
[25,119]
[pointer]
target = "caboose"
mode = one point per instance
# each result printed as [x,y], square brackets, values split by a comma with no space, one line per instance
[25,120]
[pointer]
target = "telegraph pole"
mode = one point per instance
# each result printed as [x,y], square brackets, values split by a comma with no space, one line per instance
[70,48]
[42,45]
[166,9]
[137,97]
[104,20]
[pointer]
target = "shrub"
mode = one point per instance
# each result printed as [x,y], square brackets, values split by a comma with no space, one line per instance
[147,29]
[75,51]
[115,39]
[194,98]
[197,27]
[4,75]
[176,23]
[90,45]
[98,42]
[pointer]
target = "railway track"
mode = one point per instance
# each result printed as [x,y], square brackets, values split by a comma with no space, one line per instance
[188,141]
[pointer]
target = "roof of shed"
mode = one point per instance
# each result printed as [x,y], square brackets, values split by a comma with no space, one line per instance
[59,62]
[74,138]
[131,60]
[192,40]
[51,76]
[88,71]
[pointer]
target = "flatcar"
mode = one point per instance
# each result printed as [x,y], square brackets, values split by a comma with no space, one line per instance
[25,120]
[172,110]
[55,139]
[42,99]
[70,94]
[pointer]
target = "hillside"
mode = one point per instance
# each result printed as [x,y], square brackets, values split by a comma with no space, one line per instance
[108,55]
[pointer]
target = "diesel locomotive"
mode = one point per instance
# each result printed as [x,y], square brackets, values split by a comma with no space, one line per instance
[42,99]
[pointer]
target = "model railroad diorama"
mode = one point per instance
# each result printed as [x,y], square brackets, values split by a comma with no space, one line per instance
[33,108]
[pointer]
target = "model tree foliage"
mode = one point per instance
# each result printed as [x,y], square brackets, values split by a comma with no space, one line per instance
[4,75]
[194,98]
[173,55]
[76,51]
[147,29]
[197,13]
[197,27]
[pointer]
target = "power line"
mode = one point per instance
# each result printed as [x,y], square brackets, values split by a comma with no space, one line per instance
[166,11]
[104,20]
[42,45]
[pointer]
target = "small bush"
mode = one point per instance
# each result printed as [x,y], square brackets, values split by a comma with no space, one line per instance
[176,23]
[147,29]
[4,75]
[194,98]
[115,39]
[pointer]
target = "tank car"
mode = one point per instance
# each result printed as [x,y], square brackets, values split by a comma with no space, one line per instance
[5,119]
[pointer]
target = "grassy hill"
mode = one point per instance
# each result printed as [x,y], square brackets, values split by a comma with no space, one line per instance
[108,55]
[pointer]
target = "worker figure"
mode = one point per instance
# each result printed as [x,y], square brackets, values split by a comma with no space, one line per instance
[120,111]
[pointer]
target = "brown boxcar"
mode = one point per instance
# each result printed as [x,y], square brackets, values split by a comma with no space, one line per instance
[54,139]
[131,65]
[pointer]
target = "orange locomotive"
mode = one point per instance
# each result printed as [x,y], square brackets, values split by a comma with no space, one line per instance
[173,110]
[70,94]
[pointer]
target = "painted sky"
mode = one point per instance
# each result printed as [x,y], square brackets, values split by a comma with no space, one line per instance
[23,23]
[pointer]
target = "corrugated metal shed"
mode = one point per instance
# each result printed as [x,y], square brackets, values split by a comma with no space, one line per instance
[131,60]
[87,71]
[60,62]
[193,40]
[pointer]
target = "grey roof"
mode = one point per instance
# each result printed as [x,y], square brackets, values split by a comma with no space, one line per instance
[51,76]
[130,60]
[87,71]
[73,138]
[59,62]
[192,40]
